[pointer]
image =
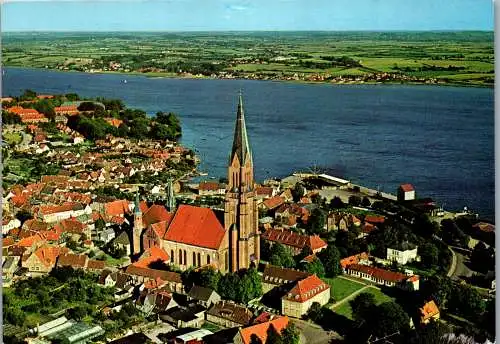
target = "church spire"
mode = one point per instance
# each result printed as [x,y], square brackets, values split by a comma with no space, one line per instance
[240,143]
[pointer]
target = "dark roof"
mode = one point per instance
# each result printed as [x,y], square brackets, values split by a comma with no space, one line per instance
[240,141]
[222,336]
[231,311]
[177,313]
[136,338]
[200,293]
[122,239]
[174,334]
[278,275]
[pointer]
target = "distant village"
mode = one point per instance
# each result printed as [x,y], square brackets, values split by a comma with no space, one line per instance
[106,238]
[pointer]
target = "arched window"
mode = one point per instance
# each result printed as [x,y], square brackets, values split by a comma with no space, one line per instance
[199,259]
[208,259]
[185,256]
[194,259]
[172,256]
[180,257]
[226,261]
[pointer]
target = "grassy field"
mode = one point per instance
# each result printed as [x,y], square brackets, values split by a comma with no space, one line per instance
[341,288]
[464,58]
[12,138]
[345,309]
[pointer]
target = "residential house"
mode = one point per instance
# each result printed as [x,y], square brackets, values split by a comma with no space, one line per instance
[142,274]
[9,223]
[10,265]
[304,293]
[429,311]
[211,189]
[294,241]
[276,276]
[204,296]
[246,335]
[229,314]
[43,260]
[406,192]
[403,254]
[360,258]
[122,241]
[272,203]
[264,192]
[69,110]
[384,277]
[182,317]
[155,301]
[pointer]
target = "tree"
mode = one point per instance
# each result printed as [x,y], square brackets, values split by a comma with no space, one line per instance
[330,257]
[316,221]
[388,318]
[227,286]
[273,337]
[315,312]
[297,192]
[281,256]
[290,334]
[336,203]
[362,306]
[28,95]
[72,97]
[429,254]
[77,312]
[481,258]
[314,267]
[355,201]
[366,202]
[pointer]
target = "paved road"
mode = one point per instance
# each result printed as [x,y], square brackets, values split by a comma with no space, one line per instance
[314,334]
[461,270]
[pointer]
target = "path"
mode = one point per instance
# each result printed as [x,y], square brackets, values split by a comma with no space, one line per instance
[453,265]
[349,297]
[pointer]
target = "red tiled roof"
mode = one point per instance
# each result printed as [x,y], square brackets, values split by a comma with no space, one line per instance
[353,259]
[96,264]
[294,239]
[117,220]
[70,225]
[116,208]
[19,200]
[195,226]
[429,310]
[160,228]
[264,191]
[151,255]
[374,219]
[485,227]
[9,241]
[156,213]
[31,240]
[22,111]
[153,274]
[385,275]
[260,330]
[73,260]
[406,187]
[306,289]
[274,202]
[51,235]
[115,122]
[209,186]
[34,225]
[48,255]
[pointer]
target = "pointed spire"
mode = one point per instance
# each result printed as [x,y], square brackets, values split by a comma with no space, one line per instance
[137,208]
[240,142]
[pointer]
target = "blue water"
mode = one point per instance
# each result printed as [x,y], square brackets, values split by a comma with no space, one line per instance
[440,139]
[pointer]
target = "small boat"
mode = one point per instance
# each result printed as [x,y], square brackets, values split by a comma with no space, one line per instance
[124,81]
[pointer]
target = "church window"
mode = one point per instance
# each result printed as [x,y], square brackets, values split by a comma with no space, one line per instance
[208,259]
[199,259]
[180,257]
[172,256]
[226,261]
[185,256]
[194,259]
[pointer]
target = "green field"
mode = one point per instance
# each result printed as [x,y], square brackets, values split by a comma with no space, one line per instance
[12,138]
[460,58]
[341,288]
[345,308]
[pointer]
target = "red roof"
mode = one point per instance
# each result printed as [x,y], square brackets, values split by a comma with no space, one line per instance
[29,241]
[306,289]
[429,310]
[22,111]
[353,259]
[274,202]
[316,243]
[156,213]
[48,255]
[195,226]
[294,239]
[260,330]
[264,191]
[151,255]
[209,186]
[378,273]
[73,260]
[484,227]
[160,228]
[374,219]
[116,208]
[70,225]
[406,187]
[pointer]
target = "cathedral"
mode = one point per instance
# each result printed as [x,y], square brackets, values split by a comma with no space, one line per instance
[194,236]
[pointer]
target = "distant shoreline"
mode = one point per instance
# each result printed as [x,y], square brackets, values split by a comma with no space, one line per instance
[155,75]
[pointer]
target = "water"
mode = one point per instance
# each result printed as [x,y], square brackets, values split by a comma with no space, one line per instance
[440,139]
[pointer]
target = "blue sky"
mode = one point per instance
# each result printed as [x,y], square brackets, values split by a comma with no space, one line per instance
[188,15]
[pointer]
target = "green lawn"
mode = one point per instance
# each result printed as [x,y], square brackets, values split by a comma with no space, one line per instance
[211,327]
[341,288]
[345,308]
[14,138]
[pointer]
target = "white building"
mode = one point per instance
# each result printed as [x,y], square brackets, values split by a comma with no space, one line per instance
[402,256]
[406,192]
[305,292]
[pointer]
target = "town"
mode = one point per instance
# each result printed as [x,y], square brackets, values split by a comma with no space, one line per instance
[109,237]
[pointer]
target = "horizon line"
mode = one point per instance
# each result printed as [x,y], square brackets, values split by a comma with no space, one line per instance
[252,30]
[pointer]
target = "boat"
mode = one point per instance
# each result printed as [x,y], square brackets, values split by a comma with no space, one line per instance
[124,81]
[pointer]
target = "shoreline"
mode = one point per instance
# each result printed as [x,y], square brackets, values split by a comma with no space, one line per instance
[309,82]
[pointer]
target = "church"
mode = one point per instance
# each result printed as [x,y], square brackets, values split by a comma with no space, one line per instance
[194,236]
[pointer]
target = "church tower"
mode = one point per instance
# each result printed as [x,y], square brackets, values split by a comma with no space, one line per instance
[138,227]
[240,205]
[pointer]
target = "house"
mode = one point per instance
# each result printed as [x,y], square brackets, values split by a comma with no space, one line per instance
[8,224]
[43,260]
[294,241]
[272,203]
[384,277]
[276,276]
[406,192]
[156,301]
[182,317]
[229,314]
[211,189]
[122,241]
[143,274]
[304,293]
[69,110]
[429,311]
[9,267]
[264,192]
[360,258]
[340,221]
[249,334]
[204,296]
[403,254]
[374,219]
[76,261]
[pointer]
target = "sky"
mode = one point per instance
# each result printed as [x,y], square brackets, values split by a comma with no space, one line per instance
[237,15]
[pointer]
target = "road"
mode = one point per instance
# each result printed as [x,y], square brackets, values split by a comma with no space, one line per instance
[461,270]
[314,334]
